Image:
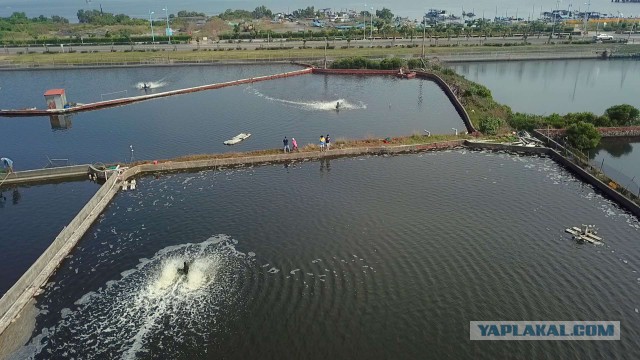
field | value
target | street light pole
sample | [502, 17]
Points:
[371, 33]
[153, 37]
[585, 31]
[166, 14]
[424, 32]
[364, 21]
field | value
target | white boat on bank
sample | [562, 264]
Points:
[236, 139]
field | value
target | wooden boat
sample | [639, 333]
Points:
[236, 139]
[406, 75]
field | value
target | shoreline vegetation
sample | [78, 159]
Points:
[141, 54]
[99, 27]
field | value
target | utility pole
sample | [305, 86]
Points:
[585, 30]
[555, 18]
[153, 37]
[371, 33]
[424, 32]
[325, 52]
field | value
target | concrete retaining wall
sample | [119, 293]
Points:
[504, 147]
[57, 173]
[625, 131]
[606, 189]
[452, 97]
[37, 275]
[623, 201]
[354, 71]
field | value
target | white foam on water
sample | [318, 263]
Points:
[151, 84]
[317, 105]
[151, 304]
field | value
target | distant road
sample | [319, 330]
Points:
[534, 40]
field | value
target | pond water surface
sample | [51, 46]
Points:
[369, 257]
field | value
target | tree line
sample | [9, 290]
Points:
[20, 18]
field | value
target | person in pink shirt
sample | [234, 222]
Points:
[295, 144]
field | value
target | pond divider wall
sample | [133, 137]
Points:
[50, 174]
[37, 275]
[623, 131]
[452, 97]
[354, 71]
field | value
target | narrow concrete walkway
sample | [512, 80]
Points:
[44, 175]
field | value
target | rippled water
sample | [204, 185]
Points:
[371, 257]
[302, 107]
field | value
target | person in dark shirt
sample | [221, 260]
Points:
[286, 144]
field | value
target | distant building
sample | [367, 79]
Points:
[327, 12]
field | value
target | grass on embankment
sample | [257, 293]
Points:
[141, 56]
[475, 98]
[414, 139]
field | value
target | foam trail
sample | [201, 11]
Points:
[313, 105]
[149, 305]
[151, 84]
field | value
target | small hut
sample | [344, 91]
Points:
[55, 98]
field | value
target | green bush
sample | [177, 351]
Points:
[475, 89]
[392, 63]
[414, 63]
[583, 135]
[623, 115]
[529, 122]
[490, 125]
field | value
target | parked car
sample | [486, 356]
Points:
[603, 37]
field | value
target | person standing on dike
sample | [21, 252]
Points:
[7, 164]
[294, 143]
[285, 142]
[327, 141]
[322, 142]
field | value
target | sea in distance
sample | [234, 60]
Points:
[413, 9]
[371, 257]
